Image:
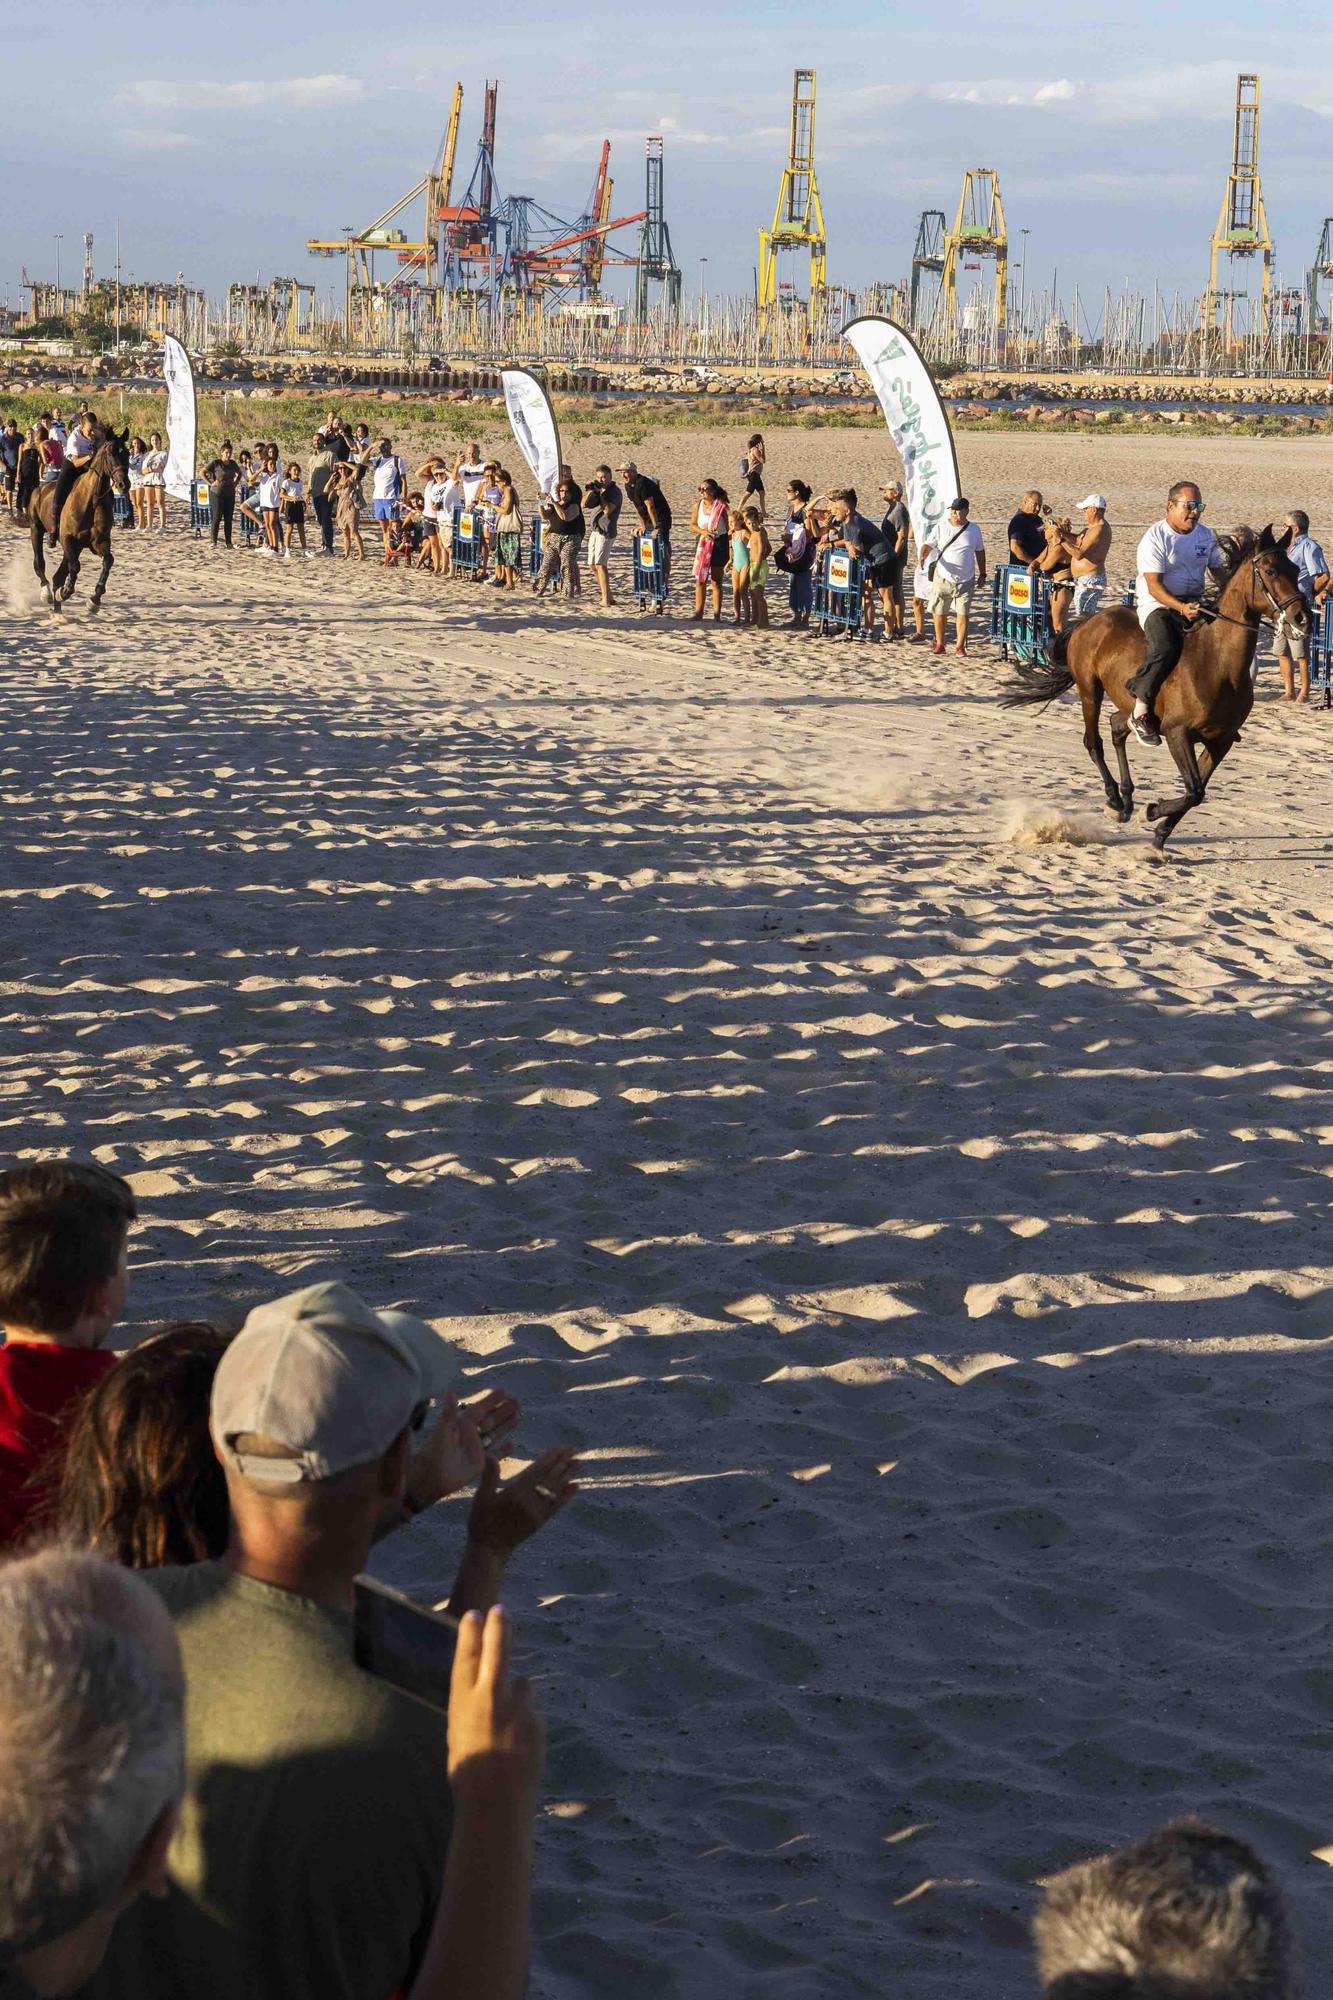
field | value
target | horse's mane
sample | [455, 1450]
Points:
[1237, 545]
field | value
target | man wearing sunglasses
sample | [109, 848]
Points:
[1174, 559]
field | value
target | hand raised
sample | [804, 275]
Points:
[501, 1517]
[496, 1735]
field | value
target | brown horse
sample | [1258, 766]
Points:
[1207, 695]
[85, 520]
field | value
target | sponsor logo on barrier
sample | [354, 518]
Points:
[839, 570]
[1018, 593]
[465, 527]
[201, 492]
[647, 553]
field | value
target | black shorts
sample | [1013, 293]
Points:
[11, 474]
[295, 513]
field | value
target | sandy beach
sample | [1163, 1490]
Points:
[768, 1060]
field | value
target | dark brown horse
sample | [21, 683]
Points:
[85, 520]
[1206, 697]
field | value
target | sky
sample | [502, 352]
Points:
[222, 135]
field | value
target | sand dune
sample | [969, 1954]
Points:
[767, 1061]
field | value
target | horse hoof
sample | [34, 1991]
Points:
[1152, 812]
[92, 610]
[1125, 815]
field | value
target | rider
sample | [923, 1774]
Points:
[1174, 559]
[80, 444]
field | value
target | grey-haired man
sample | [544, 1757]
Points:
[92, 1702]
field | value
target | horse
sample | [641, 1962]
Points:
[85, 520]
[1208, 694]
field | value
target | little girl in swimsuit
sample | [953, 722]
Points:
[740, 567]
[759, 549]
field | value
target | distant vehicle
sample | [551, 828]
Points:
[702, 374]
[654, 368]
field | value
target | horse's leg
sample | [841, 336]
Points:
[1091, 698]
[1119, 740]
[70, 569]
[99, 588]
[1168, 813]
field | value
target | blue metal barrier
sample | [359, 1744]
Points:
[122, 514]
[201, 514]
[650, 579]
[840, 576]
[1321, 653]
[536, 529]
[469, 545]
[1020, 616]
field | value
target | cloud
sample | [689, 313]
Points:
[152, 139]
[290, 93]
[1004, 91]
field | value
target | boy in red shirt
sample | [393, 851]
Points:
[63, 1231]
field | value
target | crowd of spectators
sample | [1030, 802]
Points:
[206, 1785]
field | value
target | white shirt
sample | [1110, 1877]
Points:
[387, 478]
[470, 478]
[293, 489]
[440, 496]
[270, 486]
[1182, 559]
[958, 558]
[78, 446]
[56, 430]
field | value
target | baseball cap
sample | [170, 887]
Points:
[1093, 500]
[628, 466]
[326, 1378]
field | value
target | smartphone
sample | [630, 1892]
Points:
[403, 1643]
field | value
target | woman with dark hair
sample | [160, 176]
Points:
[797, 554]
[142, 1485]
[712, 546]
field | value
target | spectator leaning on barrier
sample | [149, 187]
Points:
[91, 1729]
[954, 558]
[1292, 649]
[1027, 537]
[1188, 1912]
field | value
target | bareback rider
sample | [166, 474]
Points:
[80, 444]
[1174, 559]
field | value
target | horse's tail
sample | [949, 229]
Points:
[1035, 683]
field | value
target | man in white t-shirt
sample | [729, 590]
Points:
[958, 552]
[1173, 562]
[470, 472]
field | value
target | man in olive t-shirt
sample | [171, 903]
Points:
[316, 1815]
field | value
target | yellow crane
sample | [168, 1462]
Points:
[423, 256]
[798, 219]
[978, 232]
[1242, 225]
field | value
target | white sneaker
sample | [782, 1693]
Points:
[310, 555]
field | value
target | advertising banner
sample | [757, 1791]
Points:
[181, 419]
[532, 421]
[916, 417]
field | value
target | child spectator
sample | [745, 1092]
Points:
[293, 510]
[63, 1229]
[270, 500]
[760, 549]
[740, 567]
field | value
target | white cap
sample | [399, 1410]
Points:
[328, 1380]
[1097, 500]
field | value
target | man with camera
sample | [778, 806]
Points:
[954, 556]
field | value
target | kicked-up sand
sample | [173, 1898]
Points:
[768, 1060]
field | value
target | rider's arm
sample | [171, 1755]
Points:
[1157, 589]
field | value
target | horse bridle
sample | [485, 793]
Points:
[1213, 613]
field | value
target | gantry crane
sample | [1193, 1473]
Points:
[1242, 225]
[657, 260]
[595, 220]
[978, 232]
[927, 260]
[1320, 272]
[798, 219]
